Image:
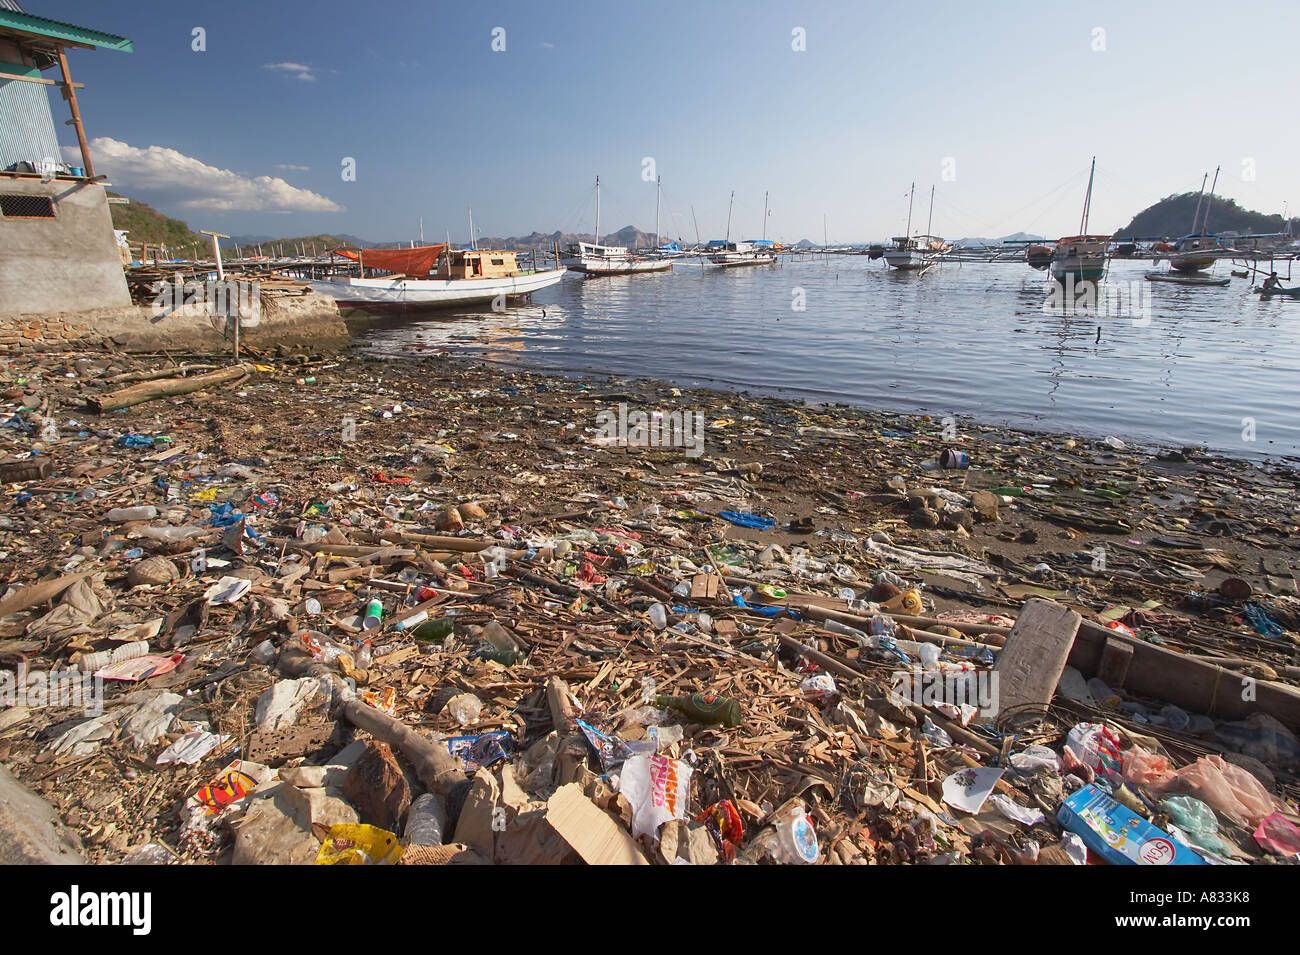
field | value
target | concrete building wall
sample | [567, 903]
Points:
[68, 263]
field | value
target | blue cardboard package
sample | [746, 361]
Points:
[1118, 835]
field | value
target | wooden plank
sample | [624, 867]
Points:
[1030, 664]
[1116, 658]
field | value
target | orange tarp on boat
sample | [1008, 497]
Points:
[417, 261]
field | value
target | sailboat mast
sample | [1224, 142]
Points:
[658, 192]
[598, 210]
[1196, 216]
[729, 207]
[473, 243]
[930, 221]
[421, 230]
[1205, 224]
[910, 194]
[764, 216]
[1087, 201]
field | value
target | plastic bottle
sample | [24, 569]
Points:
[90, 662]
[364, 656]
[705, 708]
[414, 620]
[120, 515]
[505, 647]
[171, 535]
[834, 626]
[374, 615]
[426, 822]
[664, 736]
[658, 616]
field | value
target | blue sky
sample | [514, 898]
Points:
[1010, 101]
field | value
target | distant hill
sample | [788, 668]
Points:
[1172, 216]
[292, 245]
[143, 223]
[629, 236]
[977, 243]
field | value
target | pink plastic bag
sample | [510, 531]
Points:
[1277, 834]
[1146, 769]
[1229, 790]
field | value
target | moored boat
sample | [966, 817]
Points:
[909, 252]
[1082, 257]
[434, 275]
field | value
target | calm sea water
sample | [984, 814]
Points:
[1174, 365]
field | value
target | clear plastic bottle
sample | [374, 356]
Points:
[658, 616]
[120, 515]
[365, 656]
[425, 822]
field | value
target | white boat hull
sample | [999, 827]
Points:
[737, 259]
[598, 266]
[907, 259]
[356, 291]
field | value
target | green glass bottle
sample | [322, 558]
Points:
[439, 629]
[704, 708]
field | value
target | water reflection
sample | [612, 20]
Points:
[1172, 363]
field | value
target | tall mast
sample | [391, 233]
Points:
[733, 202]
[764, 216]
[421, 230]
[1087, 201]
[910, 194]
[473, 243]
[1205, 224]
[930, 221]
[598, 210]
[697, 225]
[658, 190]
[1196, 216]
[825, 242]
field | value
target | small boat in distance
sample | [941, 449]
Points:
[1198, 251]
[754, 252]
[916, 252]
[434, 275]
[1082, 257]
[729, 255]
[591, 258]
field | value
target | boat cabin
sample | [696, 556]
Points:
[477, 264]
[1081, 245]
[1196, 243]
[919, 243]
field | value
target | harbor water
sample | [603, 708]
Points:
[1155, 363]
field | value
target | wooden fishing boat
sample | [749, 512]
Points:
[911, 253]
[1082, 257]
[591, 258]
[1279, 291]
[1178, 278]
[434, 275]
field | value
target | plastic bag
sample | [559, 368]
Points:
[1197, 822]
[1229, 790]
[349, 844]
[1146, 769]
[1094, 745]
[659, 790]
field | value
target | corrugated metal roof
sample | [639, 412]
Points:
[15, 20]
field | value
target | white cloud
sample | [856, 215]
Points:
[549, 46]
[300, 70]
[159, 175]
[289, 165]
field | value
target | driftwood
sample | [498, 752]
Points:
[173, 372]
[434, 765]
[149, 390]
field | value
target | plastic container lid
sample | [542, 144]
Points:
[799, 840]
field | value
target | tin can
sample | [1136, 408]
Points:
[374, 615]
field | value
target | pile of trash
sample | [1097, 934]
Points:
[347, 611]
